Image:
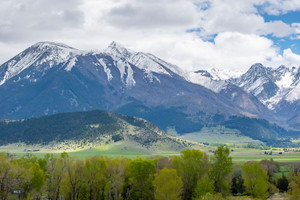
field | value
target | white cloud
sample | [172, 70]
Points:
[277, 7]
[229, 50]
[240, 16]
[291, 58]
[278, 29]
[152, 14]
[157, 26]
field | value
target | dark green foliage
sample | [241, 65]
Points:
[142, 174]
[58, 127]
[282, 183]
[237, 182]
[71, 126]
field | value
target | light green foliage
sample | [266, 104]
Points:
[204, 186]
[24, 174]
[255, 180]
[190, 165]
[117, 170]
[187, 176]
[167, 185]
[209, 196]
[142, 175]
[221, 169]
[6, 175]
[55, 172]
[95, 177]
[73, 180]
[295, 187]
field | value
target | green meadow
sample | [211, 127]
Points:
[239, 155]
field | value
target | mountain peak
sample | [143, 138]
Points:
[48, 45]
[50, 53]
[118, 51]
[257, 66]
[259, 70]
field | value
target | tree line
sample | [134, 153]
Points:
[192, 175]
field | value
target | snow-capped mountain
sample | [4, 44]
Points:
[278, 89]
[211, 79]
[43, 54]
[50, 78]
[269, 85]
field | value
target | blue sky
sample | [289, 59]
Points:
[289, 41]
[227, 34]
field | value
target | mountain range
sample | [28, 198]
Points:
[49, 78]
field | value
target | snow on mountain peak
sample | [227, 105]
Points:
[117, 51]
[38, 54]
[144, 61]
[205, 79]
[224, 74]
[48, 45]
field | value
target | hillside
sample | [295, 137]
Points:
[82, 130]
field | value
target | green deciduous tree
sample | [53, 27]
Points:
[116, 172]
[95, 177]
[270, 167]
[221, 169]
[167, 185]
[142, 175]
[295, 187]
[255, 180]
[6, 175]
[72, 182]
[54, 175]
[204, 186]
[190, 166]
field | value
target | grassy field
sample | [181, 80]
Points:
[257, 155]
[239, 155]
[115, 150]
[220, 135]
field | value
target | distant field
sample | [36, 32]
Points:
[220, 135]
[115, 150]
[257, 155]
[239, 155]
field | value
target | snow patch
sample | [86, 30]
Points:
[71, 64]
[286, 80]
[294, 94]
[209, 83]
[106, 69]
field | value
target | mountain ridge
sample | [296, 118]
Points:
[60, 79]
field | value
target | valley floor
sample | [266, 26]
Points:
[239, 155]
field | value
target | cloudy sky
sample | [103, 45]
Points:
[194, 34]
